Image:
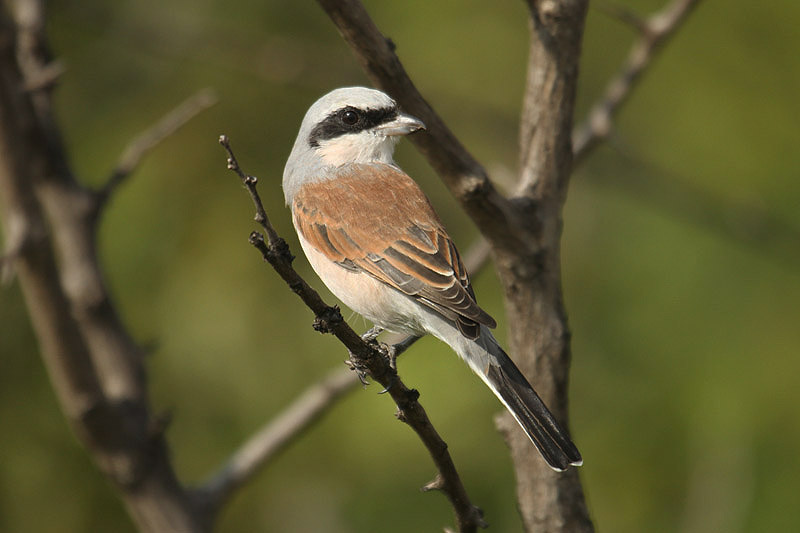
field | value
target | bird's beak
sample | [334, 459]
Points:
[402, 125]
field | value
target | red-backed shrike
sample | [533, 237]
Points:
[374, 239]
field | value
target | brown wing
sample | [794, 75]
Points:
[395, 236]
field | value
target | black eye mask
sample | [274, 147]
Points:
[349, 120]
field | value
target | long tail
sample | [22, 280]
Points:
[499, 372]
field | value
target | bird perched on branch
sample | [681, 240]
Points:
[374, 239]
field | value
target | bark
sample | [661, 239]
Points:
[92, 362]
[531, 277]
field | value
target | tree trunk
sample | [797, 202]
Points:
[539, 335]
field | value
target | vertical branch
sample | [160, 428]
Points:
[525, 232]
[92, 361]
[538, 329]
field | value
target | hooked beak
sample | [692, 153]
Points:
[401, 125]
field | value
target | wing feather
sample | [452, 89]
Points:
[396, 237]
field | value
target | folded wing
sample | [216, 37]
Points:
[395, 236]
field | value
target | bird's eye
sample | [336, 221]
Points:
[350, 117]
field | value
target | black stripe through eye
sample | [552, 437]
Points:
[349, 120]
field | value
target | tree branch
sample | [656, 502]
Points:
[139, 147]
[466, 178]
[90, 359]
[93, 362]
[306, 409]
[524, 232]
[654, 32]
[275, 436]
[366, 357]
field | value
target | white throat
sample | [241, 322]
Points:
[364, 147]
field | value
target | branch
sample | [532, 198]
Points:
[313, 403]
[467, 180]
[366, 357]
[274, 437]
[538, 331]
[277, 434]
[143, 143]
[655, 32]
[91, 361]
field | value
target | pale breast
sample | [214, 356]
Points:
[372, 299]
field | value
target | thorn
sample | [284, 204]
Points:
[256, 239]
[436, 483]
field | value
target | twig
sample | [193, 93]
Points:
[274, 436]
[314, 402]
[365, 357]
[250, 182]
[143, 143]
[654, 31]
[624, 14]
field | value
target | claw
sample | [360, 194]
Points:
[360, 372]
[389, 386]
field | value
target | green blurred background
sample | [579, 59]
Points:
[683, 302]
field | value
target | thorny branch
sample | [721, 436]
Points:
[366, 357]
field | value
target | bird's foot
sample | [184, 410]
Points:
[359, 368]
[391, 356]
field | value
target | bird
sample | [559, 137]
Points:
[374, 239]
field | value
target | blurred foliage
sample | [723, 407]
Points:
[684, 395]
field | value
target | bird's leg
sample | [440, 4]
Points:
[388, 351]
[391, 355]
[356, 365]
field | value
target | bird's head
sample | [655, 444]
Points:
[351, 125]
